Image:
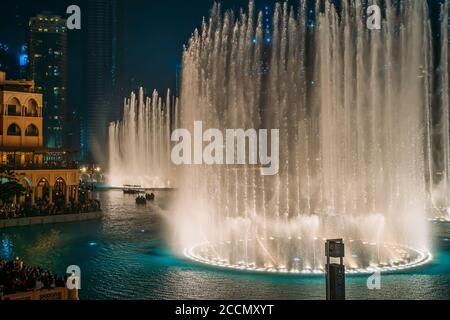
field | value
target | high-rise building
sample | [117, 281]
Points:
[48, 68]
[267, 25]
[23, 62]
[103, 27]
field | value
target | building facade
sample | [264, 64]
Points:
[48, 68]
[47, 174]
[104, 94]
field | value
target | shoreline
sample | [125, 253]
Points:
[62, 218]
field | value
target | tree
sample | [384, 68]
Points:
[10, 185]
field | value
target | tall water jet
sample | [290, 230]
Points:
[353, 108]
[440, 197]
[139, 145]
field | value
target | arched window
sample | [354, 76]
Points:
[14, 107]
[26, 182]
[44, 189]
[14, 130]
[43, 183]
[59, 189]
[32, 131]
[32, 108]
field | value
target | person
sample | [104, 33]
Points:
[15, 277]
[39, 284]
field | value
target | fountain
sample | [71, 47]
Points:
[440, 199]
[139, 145]
[353, 108]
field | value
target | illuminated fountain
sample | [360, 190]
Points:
[354, 111]
[139, 145]
[440, 195]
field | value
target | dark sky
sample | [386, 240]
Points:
[155, 32]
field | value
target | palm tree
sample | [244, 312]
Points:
[10, 186]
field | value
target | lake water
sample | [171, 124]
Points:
[124, 256]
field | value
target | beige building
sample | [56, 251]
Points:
[48, 174]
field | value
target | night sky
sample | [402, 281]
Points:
[155, 32]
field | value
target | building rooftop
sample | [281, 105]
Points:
[48, 23]
[15, 85]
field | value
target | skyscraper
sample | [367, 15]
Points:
[48, 68]
[103, 27]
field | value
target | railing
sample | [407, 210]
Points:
[18, 88]
[46, 166]
[44, 294]
[18, 114]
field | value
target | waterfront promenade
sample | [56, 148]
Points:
[62, 218]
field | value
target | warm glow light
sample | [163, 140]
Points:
[421, 258]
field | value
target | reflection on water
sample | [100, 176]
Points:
[123, 256]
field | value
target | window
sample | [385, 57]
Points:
[11, 110]
[32, 131]
[14, 107]
[14, 130]
[32, 110]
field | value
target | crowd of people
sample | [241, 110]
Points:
[16, 277]
[44, 208]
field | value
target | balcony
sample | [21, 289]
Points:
[43, 166]
[14, 114]
[18, 87]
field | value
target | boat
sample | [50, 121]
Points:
[141, 200]
[132, 189]
[150, 197]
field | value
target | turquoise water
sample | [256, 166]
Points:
[124, 256]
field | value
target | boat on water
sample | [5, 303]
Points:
[141, 200]
[132, 189]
